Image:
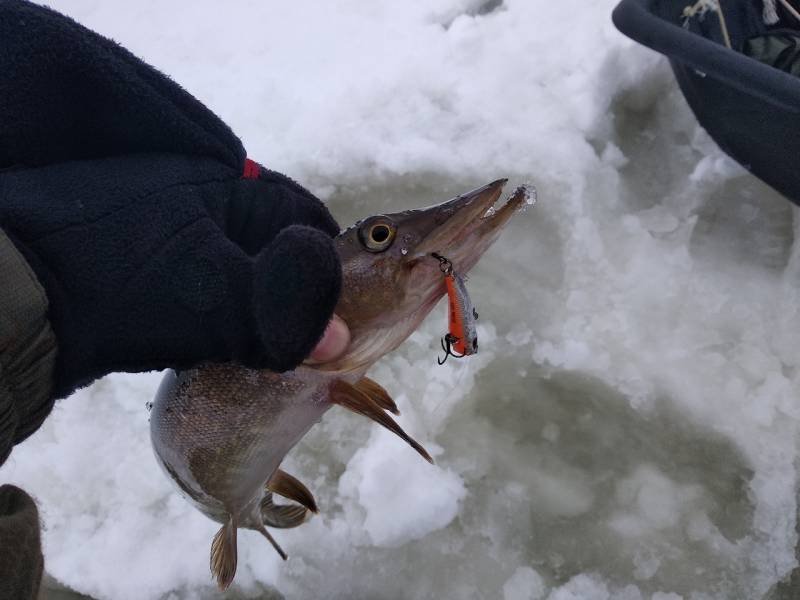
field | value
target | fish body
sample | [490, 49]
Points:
[221, 431]
[223, 470]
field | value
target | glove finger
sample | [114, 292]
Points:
[298, 279]
[256, 210]
[8, 425]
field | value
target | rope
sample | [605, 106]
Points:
[723, 25]
[792, 10]
[701, 7]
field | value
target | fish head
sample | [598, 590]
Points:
[391, 276]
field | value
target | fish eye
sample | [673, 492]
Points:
[377, 235]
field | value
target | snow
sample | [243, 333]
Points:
[386, 500]
[628, 429]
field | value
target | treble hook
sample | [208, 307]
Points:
[445, 266]
[447, 341]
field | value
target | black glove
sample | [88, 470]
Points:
[157, 242]
[158, 261]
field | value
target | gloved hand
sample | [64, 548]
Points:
[158, 244]
[154, 261]
[127, 198]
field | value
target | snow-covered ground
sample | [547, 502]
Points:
[629, 428]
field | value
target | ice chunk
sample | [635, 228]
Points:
[524, 584]
[386, 480]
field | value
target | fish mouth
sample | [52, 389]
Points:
[460, 230]
[464, 227]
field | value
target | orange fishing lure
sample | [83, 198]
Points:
[462, 336]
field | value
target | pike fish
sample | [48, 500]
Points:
[220, 431]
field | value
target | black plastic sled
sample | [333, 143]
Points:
[745, 96]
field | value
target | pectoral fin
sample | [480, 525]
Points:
[282, 516]
[378, 394]
[349, 396]
[223, 554]
[289, 487]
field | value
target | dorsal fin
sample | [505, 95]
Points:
[282, 516]
[349, 396]
[378, 394]
[224, 554]
[290, 487]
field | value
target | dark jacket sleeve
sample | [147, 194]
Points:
[27, 349]
[27, 358]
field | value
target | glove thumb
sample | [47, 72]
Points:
[298, 278]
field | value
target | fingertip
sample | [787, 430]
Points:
[334, 341]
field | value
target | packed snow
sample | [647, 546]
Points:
[628, 429]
